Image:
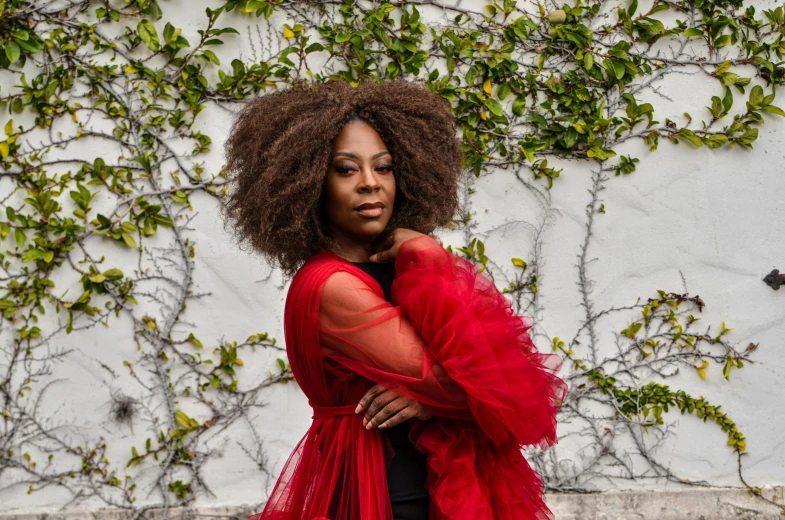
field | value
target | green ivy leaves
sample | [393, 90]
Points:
[17, 40]
[759, 101]
[148, 34]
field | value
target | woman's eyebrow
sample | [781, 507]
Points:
[351, 155]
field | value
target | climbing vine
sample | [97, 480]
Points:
[104, 161]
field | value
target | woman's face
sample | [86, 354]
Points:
[359, 189]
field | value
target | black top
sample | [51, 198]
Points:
[406, 474]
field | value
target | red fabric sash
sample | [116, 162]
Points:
[323, 412]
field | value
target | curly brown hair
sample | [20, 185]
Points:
[279, 152]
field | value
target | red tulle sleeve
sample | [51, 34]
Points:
[363, 332]
[472, 331]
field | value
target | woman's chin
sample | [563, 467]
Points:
[371, 230]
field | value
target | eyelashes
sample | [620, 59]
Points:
[343, 170]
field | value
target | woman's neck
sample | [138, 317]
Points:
[352, 249]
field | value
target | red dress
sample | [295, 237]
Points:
[453, 344]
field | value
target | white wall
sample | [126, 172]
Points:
[710, 223]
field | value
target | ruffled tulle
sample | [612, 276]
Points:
[452, 342]
[513, 392]
[472, 331]
[470, 478]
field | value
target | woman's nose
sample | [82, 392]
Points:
[368, 180]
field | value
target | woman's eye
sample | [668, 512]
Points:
[347, 169]
[343, 169]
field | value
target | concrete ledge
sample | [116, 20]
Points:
[697, 504]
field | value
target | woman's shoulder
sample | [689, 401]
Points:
[316, 271]
[316, 267]
[329, 276]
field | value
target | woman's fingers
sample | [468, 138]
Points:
[385, 407]
[380, 256]
[388, 411]
[386, 255]
[385, 248]
[369, 396]
[404, 414]
[379, 402]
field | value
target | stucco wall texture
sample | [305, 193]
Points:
[707, 222]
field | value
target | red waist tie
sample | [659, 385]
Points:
[323, 412]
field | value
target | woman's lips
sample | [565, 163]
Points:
[370, 212]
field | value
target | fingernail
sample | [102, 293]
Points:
[372, 258]
[382, 426]
[369, 426]
[357, 410]
[365, 421]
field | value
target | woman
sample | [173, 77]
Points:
[423, 382]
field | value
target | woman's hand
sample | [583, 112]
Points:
[385, 409]
[388, 250]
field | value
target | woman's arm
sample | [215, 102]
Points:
[368, 335]
[452, 342]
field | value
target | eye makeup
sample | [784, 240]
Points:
[343, 169]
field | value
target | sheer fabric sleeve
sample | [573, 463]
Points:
[368, 335]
